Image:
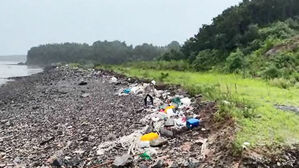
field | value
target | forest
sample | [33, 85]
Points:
[256, 38]
[100, 52]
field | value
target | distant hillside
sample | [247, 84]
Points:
[13, 58]
[257, 38]
[100, 52]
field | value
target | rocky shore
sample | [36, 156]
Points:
[67, 117]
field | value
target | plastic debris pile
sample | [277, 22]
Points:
[165, 116]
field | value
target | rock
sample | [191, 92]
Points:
[80, 151]
[157, 164]
[158, 142]
[47, 141]
[81, 83]
[193, 163]
[85, 95]
[169, 122]
[186, 163]
[110, 137]
[55, 161]
[2, 165]
[8, 124]
[121, 161]
[84, 138]
[174, 165]
[166, 132]
[113, 80]
[288, 108]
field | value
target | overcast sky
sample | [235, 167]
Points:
[27, 23]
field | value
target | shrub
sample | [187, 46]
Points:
[281, 83]
[206, 59]
[163, 76]
[235, 61]
[271, 72]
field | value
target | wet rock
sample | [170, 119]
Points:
[158, 142]
[124, 160]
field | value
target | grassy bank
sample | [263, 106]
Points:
[250, 101]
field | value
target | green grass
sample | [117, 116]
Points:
[252, 102]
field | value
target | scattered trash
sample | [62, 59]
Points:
[186, 101]
[167, 109]
[144, 144]
[245, 145]
[177, 101]
[127, 91]
[145, 156]
[150, 101]
[169, 122]
[158, 142]
[113, 80]
[191, 123]
[226, 102]
[124, 160]
[149, 137]
[181, 121]
[153, 82]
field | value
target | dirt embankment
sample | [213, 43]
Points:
[75, 118]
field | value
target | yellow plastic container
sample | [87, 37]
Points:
[149, 137]
[169, 107]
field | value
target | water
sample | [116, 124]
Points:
[9, 68]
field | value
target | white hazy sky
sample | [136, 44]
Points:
[27, 23]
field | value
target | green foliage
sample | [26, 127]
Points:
[236, 61]
[206, 59]
[161, 65]
[163, 76]
[172, 55]
[281, 83]
[249, 101]
[237, 25]
[100, 52]
[271, 72]
[279, 30]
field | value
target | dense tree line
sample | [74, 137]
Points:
[236, 26]
[240, 40]
[100, 52]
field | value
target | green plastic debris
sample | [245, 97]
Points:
[145, 156]
[177, 101]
